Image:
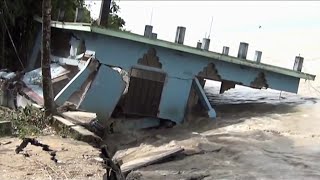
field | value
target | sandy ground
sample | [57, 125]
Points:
[76, 160]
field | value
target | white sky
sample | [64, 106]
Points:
[288, 28]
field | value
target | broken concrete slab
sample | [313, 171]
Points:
[75, 83]
[81, 133]
[76, 131]
[85, 119]
[63, 121]
[150, 158]
[79, 117]
[5, 128]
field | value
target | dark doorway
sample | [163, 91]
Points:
[144, 92]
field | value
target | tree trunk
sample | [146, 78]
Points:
[45, 58]
[3, 54]
[104, 13]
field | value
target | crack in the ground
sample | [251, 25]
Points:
[35, 142]
[113, 171]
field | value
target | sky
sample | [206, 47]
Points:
[287, 28]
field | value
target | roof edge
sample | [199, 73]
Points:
[87, 27]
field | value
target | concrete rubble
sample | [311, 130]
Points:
[77, 84]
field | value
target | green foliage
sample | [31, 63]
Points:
[69, 9]
[62, 130]
[18, 16]
[114, 21]
[28, 121]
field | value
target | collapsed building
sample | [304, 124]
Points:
[146, 80]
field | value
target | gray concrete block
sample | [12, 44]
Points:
[76, 131]
[82, 134]
[63, 121]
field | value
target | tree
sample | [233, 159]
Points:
[45, 58]
[104, 13]
[114, 20]
[18, 16]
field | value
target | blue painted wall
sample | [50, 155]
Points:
[125, 53]
[104, 93]
[180, 67]
[174, 99]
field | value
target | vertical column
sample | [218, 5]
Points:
[199, 45]
[298, 63]
[243, 50]
[154, 36]
[148, 31]
[180, 35]
[257, 56]
[205, 44]
[225, 50]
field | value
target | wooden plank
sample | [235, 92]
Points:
[63, 121]
[60, 78]
[150, 159]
